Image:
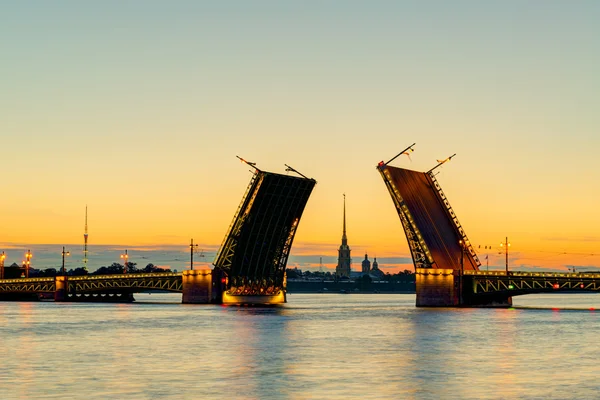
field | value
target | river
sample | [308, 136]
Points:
[317, 346]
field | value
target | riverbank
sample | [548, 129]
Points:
[349, 287]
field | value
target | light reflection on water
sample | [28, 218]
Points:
[330, 346]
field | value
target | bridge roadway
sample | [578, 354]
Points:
[517, 283]
[498, 287]
[106, 287]
[475, 287]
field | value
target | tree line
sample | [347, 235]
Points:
[15, 271]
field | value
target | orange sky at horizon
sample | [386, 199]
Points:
[138, 112]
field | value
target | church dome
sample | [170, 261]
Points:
[366, 265]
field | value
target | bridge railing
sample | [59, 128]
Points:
[28, 280]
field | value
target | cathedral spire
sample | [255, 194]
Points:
[344, 238]
[343, 268]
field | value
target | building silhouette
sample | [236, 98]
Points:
[344, 261]
[375, 272]
[366, 265]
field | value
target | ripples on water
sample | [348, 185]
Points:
[317, 346]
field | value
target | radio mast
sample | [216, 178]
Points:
[85, 240]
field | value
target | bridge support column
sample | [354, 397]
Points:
[60, 291]
[197, 286]
[437, 287]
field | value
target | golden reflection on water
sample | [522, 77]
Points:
[25, 351]
[503, 352]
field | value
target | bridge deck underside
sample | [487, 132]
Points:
[432, 219]
[256, 248]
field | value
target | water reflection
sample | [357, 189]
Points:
[330, 346]
[25, 351]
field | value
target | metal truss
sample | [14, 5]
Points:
[287, 246]
[256, 248]
[517, 283]
[454, 218]
[171, 282]
[29, 285]
[420, 252]
[224, 257]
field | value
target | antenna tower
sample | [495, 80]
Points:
[85, 240]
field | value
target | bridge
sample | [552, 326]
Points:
[249, 267]
[447, 268]
[255, 250]
[118, 287]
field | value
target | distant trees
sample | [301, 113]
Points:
[295, 273]
[78, 271]
[116, 268]
[150, 268]
[47, 272]
[15, 271]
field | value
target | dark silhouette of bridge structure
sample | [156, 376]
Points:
[446, 265]
[249, 267]
[255, 250]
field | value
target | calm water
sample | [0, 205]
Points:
[321, 346]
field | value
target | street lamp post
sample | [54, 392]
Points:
[27, 262]
[506, 245]
[193, 247]
[125, 257]
[64, 253]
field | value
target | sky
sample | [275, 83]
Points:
[137, 109]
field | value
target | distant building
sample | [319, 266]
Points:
[376, 273]
[344, 261]
[366, 265]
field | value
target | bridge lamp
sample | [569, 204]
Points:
[64, 253]
[506, 245]
[511, 286]
[125, 257]
[27, 262]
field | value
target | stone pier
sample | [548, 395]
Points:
[437, 287]
[60, 292]
[197, 286]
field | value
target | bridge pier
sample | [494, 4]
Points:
[437, 287]
[60, 291]
[197, 286]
